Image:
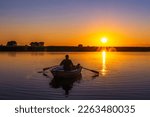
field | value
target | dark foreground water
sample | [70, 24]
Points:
[122, 76]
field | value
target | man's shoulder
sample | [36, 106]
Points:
[63, 60]
[70, 61]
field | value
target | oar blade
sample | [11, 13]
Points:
[40, 72]
[46, 68]
[95, 71]
[91, 70]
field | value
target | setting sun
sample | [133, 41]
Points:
[104, 40]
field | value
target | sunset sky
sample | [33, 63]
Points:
[71, 22]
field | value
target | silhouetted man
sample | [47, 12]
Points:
[67, 63]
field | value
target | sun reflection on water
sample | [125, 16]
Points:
[103, 70]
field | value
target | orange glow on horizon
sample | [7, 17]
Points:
[77, 35]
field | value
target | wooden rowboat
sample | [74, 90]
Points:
[60, 72]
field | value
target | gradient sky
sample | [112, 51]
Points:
[70, 22]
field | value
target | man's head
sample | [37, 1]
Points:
[67, 56]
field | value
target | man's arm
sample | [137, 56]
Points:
[71, 62]
[62, 62]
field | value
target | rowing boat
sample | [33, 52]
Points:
[60, 72]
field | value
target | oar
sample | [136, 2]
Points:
[47, 68]
[91, 70]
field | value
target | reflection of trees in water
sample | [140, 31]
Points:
[12, 54]
[65, 83]
[37, 53]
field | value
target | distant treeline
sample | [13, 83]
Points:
[39, 46]
[33, 44]
[73, 48]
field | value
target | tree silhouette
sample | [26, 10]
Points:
[11, 44]
[37, 44]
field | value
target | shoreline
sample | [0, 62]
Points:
[72, 49]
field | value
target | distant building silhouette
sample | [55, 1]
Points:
[11, 44]
[41, 43]
[80, 45]
[37, 44]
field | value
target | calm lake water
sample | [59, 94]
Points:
[123, 75]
